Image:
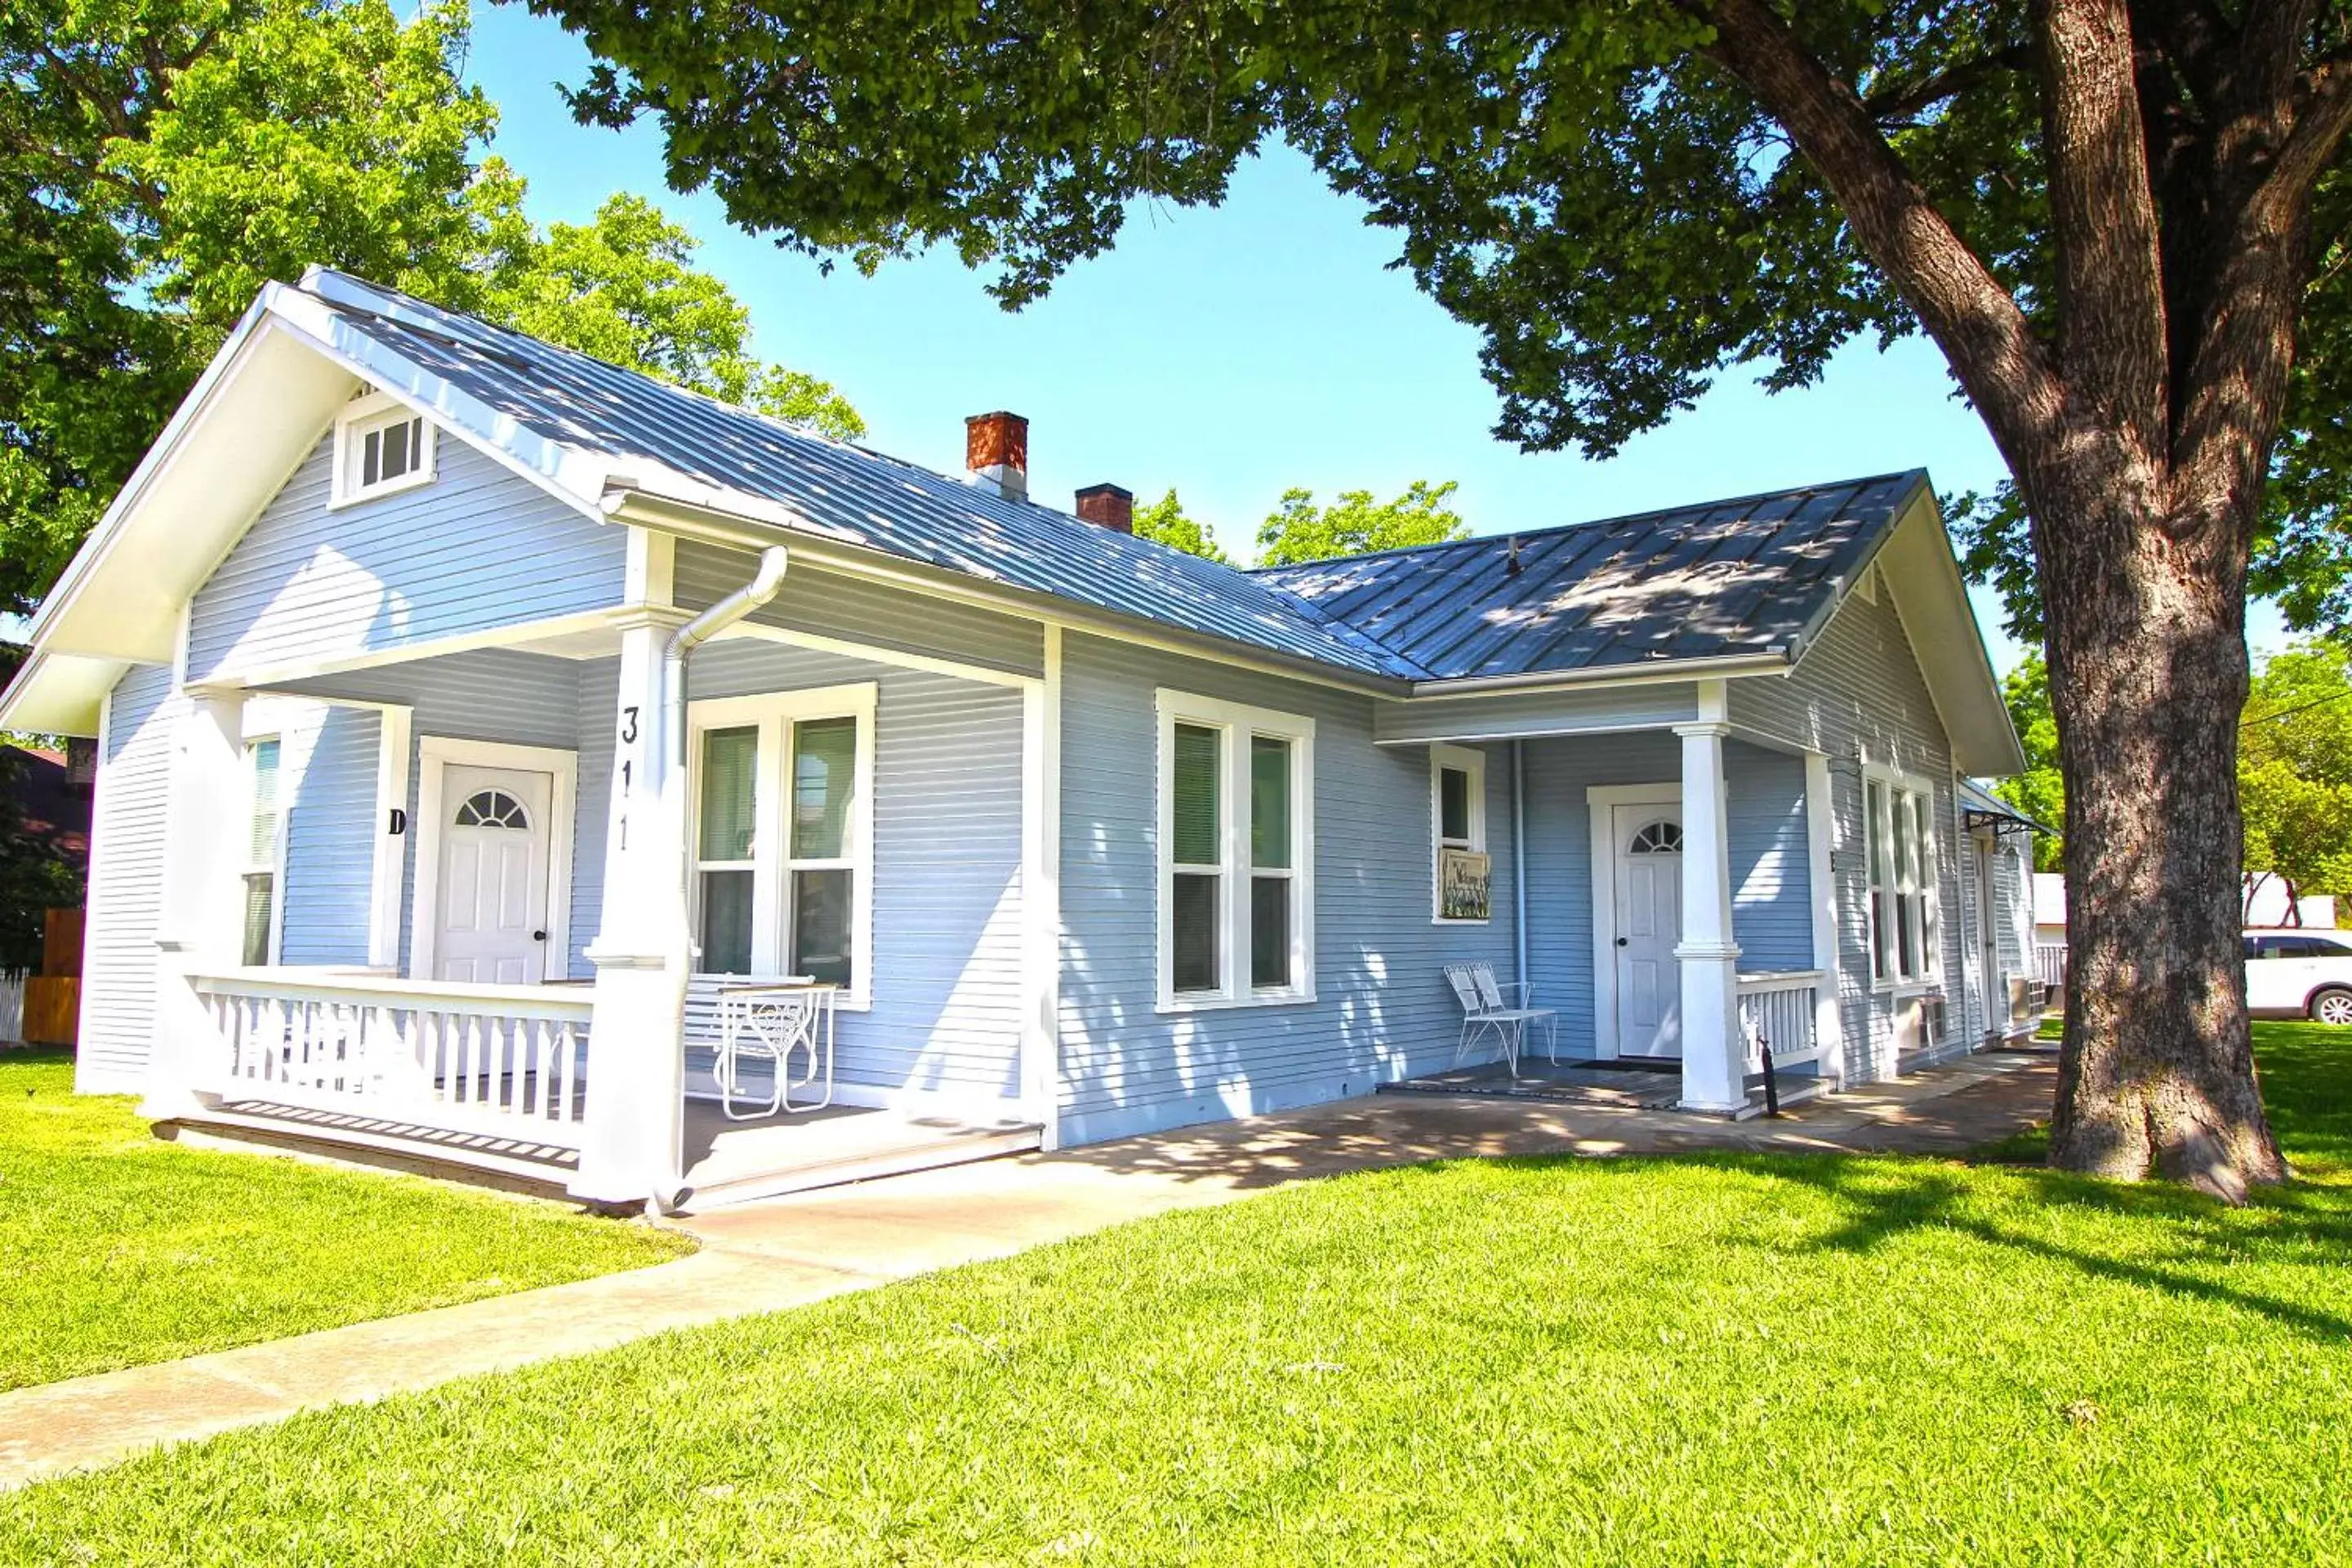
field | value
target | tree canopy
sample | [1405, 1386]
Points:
[1298, 530]
[160, 160]
[1165, 522]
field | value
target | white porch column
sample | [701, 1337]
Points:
[632, 1136]
[200, 926]
[1041, 894]
[1713, 1058]
[1820, 845]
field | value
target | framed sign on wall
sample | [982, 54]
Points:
[1465, 882]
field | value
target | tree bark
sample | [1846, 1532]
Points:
[2148, 674]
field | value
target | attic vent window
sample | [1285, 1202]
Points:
[381, 448]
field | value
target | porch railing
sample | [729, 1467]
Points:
[2050, 966]
[501, 1061]
[1777, 1008]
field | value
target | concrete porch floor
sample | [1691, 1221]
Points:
[766, 1255]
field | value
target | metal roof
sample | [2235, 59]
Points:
[1748, 575]
[849, 493]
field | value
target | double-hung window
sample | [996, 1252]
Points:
[1899, 818]
[783, 836]
[382, 446]
[1236, 854]
[265, 842]
[1457, 822]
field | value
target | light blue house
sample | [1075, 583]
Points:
[475, 716]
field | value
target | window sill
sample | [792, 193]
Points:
[417, 481]
[1207, 1002]
[1456, 920]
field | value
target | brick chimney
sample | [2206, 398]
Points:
[996, 453]
[1108, 506]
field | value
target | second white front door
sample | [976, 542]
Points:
[493, 876]
[1648, 877]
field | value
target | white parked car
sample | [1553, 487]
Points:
[2300, 974]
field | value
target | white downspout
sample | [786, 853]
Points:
[1520, 868]
[669, 780]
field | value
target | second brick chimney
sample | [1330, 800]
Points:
[996, 453]
[1108, 506]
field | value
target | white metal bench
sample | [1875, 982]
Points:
[789, 1024]
[1483, 1008]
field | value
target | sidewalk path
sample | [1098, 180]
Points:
[790, 1251]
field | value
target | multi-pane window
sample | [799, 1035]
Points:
[1458, 788]
[264, 836]
[1236, 853]
[380, 446]
[783, 835]
[1899, 820]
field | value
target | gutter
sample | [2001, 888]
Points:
[669, 772]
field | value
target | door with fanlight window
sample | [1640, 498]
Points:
[1648, 875]
[493, 876]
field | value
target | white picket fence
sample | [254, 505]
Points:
[1778, 1008]
[12, 1010]
[503, 1061]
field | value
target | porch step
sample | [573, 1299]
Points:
[534, 1171]
[907, 1148]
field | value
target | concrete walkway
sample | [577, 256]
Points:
[791, 1251]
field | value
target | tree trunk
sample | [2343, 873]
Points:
[2144, 610]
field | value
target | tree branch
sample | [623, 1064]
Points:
[2005, 371]
[1901, 100]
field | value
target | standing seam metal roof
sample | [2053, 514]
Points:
[1747, 575]
[850, 494]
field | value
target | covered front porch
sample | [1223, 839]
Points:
[426, 910]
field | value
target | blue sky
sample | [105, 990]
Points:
[1230, 353]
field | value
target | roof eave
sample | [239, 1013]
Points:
[1770, 661]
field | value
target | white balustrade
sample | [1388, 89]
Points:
[2049, 965]
[498, 1060]
[1777, 1008]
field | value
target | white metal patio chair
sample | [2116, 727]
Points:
[1483, 1008]
[788, 1025]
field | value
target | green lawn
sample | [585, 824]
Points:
[1724, 1360]
[117, 1249]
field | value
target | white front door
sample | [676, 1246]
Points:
[1648, 877]
[493, 882]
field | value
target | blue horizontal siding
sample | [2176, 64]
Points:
[476, 548]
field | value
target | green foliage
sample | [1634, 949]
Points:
[2294, 769]
[160, 161]
[2040, 791]
[1298, 529]
[120, 1248]
[1727, 1359]
[1165, 522]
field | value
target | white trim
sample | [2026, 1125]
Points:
[437, 752]
[1896, 782]
[875, 653]
[1459, 758]
[615, 619]
[649, 574]
[1820, 881]
[364, 416]
[773, 713]
[1041, 893]
[280, 831]
[1237, 722]
[392, 764]
[1600, 802]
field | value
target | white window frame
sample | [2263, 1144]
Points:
[1898, 791]
[275, 870]
[1238, 722]
[1461, 758]
[378, 411]
[773, 713]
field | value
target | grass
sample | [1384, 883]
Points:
[1729, 1359]
[117, 1249]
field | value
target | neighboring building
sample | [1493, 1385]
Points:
[1093, 836]
[2264, 901]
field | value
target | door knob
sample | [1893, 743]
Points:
[539, 936]
[1623, 941]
